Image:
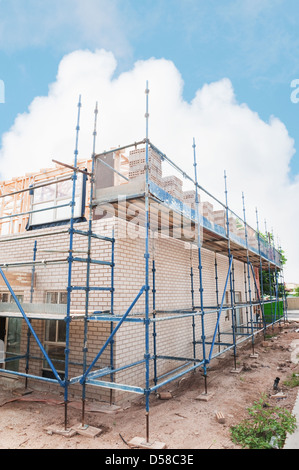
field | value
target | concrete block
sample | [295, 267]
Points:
[142, 444]
[165, 395]
[86, 430]
[237, 371]
[279, 395]
[54, 429]
[204, 396]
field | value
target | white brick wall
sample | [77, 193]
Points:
[173, 260]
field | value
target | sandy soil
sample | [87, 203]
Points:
[181, 422]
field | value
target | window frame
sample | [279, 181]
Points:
[59, 344]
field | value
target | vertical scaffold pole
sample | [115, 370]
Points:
[31, 300]
[248, 275]
[276, 284]
[147, 256]
[70, 263]
[192, 302]
[230, 257]
[200, 269]
[284, 296]
[87, 286]
[269, 272]
[112, 311]
[154, 315]
[246, 298]
[261, 272]
[217, 296]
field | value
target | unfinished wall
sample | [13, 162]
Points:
[173, 259]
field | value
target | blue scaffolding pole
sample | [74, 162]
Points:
[70, 265]
[147, 256]
[31, 300]
[248, 275]
[230, 258]
[205, 362]
[193, 306]
[269, 272]
[261, 273]
[87, 290]
[276, 285]
[154, 316]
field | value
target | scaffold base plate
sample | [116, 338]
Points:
[142, 444]
[86, 430]
[61, 431]
[237, 371]
[204, 396]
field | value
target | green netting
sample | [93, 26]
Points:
[277, 311]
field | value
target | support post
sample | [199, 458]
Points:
[154, 316]
[192, 300]
[31, 300]
[217, 295]
[261, 273]
[147, 256]
[269, 273]
[87, 290]
[112, 313]
[70, 263]
[200, 269]
[230, 258]
[248, 275]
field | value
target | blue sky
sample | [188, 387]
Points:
[242, 53]
[254, 43]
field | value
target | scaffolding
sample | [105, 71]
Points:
[219, 239]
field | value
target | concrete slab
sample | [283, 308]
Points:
[61, 431]
[237, 371]
[204, 396]
[86, 430]
[279, 395]
[142, 444]
[8, 383]
[102, 408]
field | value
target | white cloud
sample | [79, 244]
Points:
[229, 135]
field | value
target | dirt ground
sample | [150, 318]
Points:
[181, 422]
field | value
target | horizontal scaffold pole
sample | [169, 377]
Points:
[30, 376]
[94, 235]
[106, 371]
[16, 238]
[115, 386]
[115, 150]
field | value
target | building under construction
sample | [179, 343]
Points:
[121, 273]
